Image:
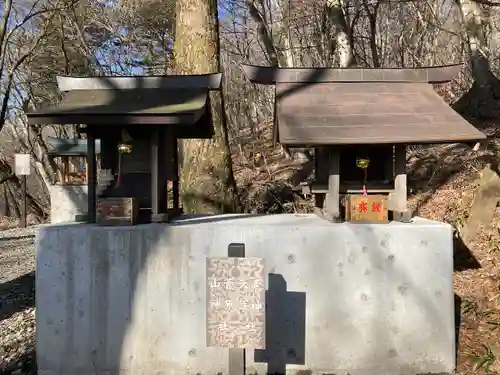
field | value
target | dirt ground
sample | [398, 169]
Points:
[476, 279]
[17, 301]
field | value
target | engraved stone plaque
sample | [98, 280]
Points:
[236, 303]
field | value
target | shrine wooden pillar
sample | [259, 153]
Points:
[328, 167]
[91, 178]
[399, 199]
[109, 152]
[318, 172]
[159, 206]
[332, 200]
[175, 175]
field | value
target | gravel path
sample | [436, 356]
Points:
[17, 302]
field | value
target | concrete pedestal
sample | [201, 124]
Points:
[344, 298]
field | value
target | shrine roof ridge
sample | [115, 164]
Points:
[270, 75]
[207, 81]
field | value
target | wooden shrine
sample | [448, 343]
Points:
[70, 155]
[138, 122]
[359, 122]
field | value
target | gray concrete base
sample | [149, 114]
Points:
[342, 298]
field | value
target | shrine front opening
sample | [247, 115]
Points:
[68, 194]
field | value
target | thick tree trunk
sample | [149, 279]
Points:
[481, 100]
[280, 30]
[207, 175]
[341, 46]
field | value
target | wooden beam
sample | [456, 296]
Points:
[155, 171]
[175, 178]
[22, 221]
[318, 172]
[270, 75]
[92, 179]
[86, 170]
[211, 81]
[347, 188]
[237, 356]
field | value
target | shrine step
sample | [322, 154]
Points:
[349, 188]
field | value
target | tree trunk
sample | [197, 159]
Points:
[280, 30]
[4, 202]
[12, 202]
[207, 175]
[481, 100]
[340, 34]
[11, 186]
[33, 205]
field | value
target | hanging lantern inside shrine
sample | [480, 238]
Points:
[363, 163]
[125, 146]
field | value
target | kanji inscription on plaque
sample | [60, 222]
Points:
[236, 303]
[367, 208]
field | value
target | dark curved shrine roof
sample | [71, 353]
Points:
[110, 101]
[363, 106]
[144, 106]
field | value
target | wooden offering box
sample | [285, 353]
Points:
[117, 211]
[366, 208]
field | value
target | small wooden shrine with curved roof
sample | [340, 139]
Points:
[138, 121]
[349, 115]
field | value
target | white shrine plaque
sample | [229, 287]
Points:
[236, 303]
[22, 164]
